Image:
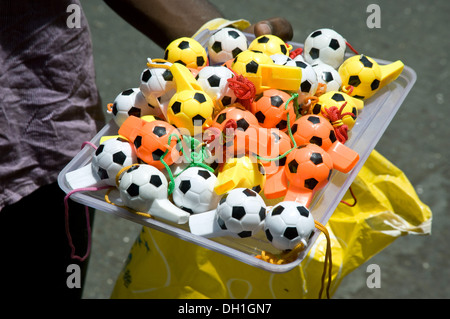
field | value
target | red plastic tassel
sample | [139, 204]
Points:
[295, 53]
[335, 116]
[243, 88]
[230, 124]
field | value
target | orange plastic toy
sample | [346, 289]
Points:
[270, 109]
[308, 169]
[246, 135]
[276, 184]
[318, 130]
[303, 172]
[243, 118]
[280, 144]
[151, 140]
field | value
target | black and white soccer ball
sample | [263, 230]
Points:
[299, 58]
[288, 224]
[110, 157]
[156, 82]
[130, 102]
[241, 211]
[326, 74]
[213, 80]
[325, 46]
[194, 190]
[280, 59]
[309, 82]
[225, 44]
[140, 185]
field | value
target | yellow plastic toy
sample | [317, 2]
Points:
[240, 172]
[264, 74]
[190, 108]
[340, 109]
[109, 137]
[362, 76]
[186, 51]
[338, 99]
[148, 118]
[270, 45]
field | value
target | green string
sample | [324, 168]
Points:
[293, 96]
[196, 159]
[171, 185]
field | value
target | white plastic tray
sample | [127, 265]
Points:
[371, 123]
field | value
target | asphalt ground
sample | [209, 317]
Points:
[416, 140]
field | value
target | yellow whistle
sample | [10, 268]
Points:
[274, 76]
[264, 74]
[338, 99]
[110, 137]
[240, 172]
[190, 108]
[183, 78]
[390, 72]
[362, 76]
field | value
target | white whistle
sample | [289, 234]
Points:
[110, 157]
[206, 225]
[240, 213]
[144, 188]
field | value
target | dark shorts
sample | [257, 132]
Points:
[35, 253]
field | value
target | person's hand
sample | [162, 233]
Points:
[277, 26]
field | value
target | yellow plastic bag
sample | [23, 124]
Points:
[162, 266]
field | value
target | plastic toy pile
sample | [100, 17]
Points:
[213, 134]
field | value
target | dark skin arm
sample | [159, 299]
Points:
[166, 20]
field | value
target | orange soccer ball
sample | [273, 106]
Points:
[270, 109]
[152, 140]
[280, 143]
[308, 167]
[241, 130]
[313, 129]
[243, 118]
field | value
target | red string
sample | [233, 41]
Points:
[66, 213]
[295, 53]
[69, 237]
[351, 48]
[230, 124]
[90, 144]
[349, 89]
[243, 88]
[354, 198]
[211, 134]
[335, 116]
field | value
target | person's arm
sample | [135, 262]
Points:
[166, 20]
